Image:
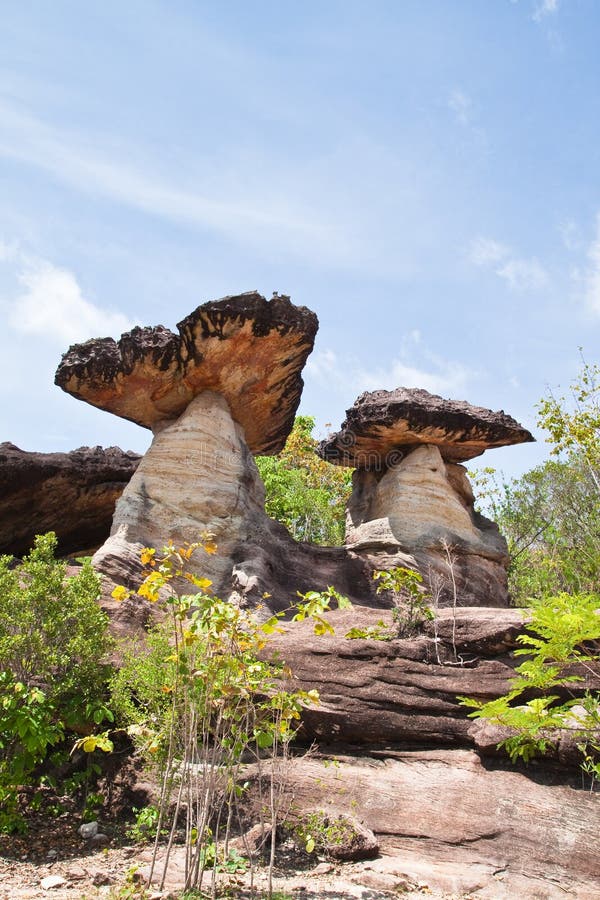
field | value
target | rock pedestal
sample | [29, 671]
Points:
[411, 495]
[198, 476]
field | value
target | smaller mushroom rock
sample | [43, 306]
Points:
[411, 495]
[249, 350]
[383, 426]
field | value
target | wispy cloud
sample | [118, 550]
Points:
[522, 275]
[570, 234]
[438, 375]
[544, 8]
[461, 105]
[110, 173]
[49, 303]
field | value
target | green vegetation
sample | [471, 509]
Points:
[303, 492]
[53, 647]
[410, 605]
[202, 699]
[551, 517]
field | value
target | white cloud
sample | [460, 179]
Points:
[570, 234]
[544, 8]
[592, 276]
[110, 173]
[52, 306]
[522, 275]
[484, 251]
[439, 375]
[444, 377]
[461, 105]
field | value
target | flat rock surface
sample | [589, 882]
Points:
[244, 347]
[73, 494]
[382, 426]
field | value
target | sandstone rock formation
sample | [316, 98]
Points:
[410, 495]
[227, 388]
[396, 422]
[445, 819]
[73, 494]
[247, 349]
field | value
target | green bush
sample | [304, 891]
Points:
[53, 671]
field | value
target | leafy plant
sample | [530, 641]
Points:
[217, 701]
[411, 603]
[144, 827]
[318, 831]
[53, 646]
[303, 492]
[562, 641]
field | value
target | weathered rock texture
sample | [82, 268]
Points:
[384, 425]
[444, 819]
[405, 692]
[411, 496]
[248, 349]
[424, 507]
[73, 494]
[199, 476]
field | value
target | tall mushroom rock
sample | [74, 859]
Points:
[412, 495]
[224, 388]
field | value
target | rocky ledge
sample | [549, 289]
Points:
[383, 426]
[73, 494]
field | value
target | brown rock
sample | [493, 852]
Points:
[400, 693]
[73, 494]
[383, 426]
[248, 349]
[199, 475]
[443, 818]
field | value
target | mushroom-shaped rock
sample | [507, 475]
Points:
[382, 426]
[249, 350]
[226, 387]
[411, 496]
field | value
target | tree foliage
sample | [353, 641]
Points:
[551, 517]
[303, 492]
[53, 672]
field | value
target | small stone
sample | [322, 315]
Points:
[99, 840]
[100, 878]
[52, 854]
[52, 881]
[88, 830]
[323, 869]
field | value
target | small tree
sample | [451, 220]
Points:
[303, 492]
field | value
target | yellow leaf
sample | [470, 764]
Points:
[120, 593]
[210, 547]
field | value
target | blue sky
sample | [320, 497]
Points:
[423, 174]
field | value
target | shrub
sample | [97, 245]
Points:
[53, 645]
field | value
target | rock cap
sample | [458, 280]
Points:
[244, 347]
[383, 426]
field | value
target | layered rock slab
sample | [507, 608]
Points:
[445, 819]
[248, 349]
[73, 494]
[384, 425]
